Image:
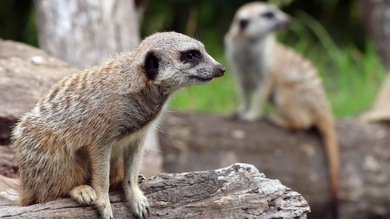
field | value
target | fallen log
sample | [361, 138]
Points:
[192, 142]
[26, 73]
[238, 191]
[8, 164]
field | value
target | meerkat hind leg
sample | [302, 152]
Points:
[278, 121]
[296, 123]
[83, 194]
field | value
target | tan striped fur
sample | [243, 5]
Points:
[86, 134]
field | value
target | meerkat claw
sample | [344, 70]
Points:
[83, 194]
[141, 179]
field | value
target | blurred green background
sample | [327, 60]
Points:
[328, 32]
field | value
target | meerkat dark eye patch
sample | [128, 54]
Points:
[244, 23]
[151, 65]
[268, 15]
[191, 56]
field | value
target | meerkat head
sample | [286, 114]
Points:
[176, 60]
[257, 19]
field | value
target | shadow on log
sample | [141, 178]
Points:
[192, 142]
[238, 191]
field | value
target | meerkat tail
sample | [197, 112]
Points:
[327, 129]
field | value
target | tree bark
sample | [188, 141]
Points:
[192, 142]
[26, 73]
[377, 23]
[238, 191]
[84, 33]
[8, 164]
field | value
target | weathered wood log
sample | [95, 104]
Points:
[8, 164]
[9, 191]
[25, 74]
[238, 191]
[192, 142]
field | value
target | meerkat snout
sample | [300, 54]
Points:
[219, 70]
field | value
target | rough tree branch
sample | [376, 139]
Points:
[238, 191]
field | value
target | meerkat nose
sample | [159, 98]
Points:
[287, 21]
[219, 70]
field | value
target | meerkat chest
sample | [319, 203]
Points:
[139, 112]
[133, 138]
[249, 61]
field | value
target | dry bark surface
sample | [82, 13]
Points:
[192, 142]
[25, 74]
[8, 164]
[97, 29]
[238, 191]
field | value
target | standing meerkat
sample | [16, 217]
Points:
[86, 134]
[274, 72]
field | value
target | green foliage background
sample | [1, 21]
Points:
[328, 32]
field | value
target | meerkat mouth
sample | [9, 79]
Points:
[201, 79]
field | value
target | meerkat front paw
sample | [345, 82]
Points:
[83, 194]
[141, 208]
[248, 117]
[104, 207]
[244, 116]
[139, 204]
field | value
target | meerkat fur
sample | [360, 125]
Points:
[275, 72]
[86, 134]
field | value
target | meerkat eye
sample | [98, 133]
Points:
[268, 15]
[191, 56]
[244, 23]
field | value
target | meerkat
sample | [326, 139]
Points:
[275, 72]
[381, 108]
[85, 136]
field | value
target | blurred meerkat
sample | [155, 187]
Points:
[274, 72]
[381, 108]
[86, 134]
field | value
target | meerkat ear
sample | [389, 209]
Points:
[151, 65]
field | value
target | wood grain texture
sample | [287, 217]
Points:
[84, 33]
[192, 142]
[238, 191]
